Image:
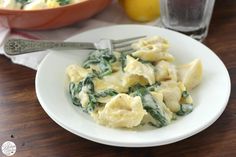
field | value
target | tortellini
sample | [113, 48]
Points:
[152, 49]
[190, 74]
[158, 96]
[76, 73]
[52, 3]
[165, 71]
[111, 81]
[171, 95]
[121, 111]
[10, 4]
[36, 4]
[136, 89]
[134, 67]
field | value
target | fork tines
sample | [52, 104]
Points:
[124, 45]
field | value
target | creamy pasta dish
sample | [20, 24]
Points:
[34, 4]
[126, 90]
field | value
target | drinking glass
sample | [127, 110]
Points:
[191, 17]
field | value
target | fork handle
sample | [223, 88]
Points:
[22, 46]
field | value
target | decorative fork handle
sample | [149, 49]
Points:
[22, 46]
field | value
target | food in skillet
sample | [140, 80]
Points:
[34, 4]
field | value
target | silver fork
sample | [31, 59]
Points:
[22, 46]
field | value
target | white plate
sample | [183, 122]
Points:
[210, 97]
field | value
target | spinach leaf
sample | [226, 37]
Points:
[123, 60]
[105, 68]
[104, 53]
[87, 63]
[63, 2]
[88, 82]
[23, 2]
[102, 58]
[92, 102]
[74, 89]
[185, 94]
[185, 109]
[150, 104]
[153, 87]
[105, 93]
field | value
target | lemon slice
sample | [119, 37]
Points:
[190, 74]
[141, 10]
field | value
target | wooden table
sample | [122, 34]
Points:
[23, 121]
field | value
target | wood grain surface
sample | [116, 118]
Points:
[23, 121]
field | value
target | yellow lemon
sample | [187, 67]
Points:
[141, 10]
[190, 74]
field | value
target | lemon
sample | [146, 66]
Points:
[190, 74]
[141, 10]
